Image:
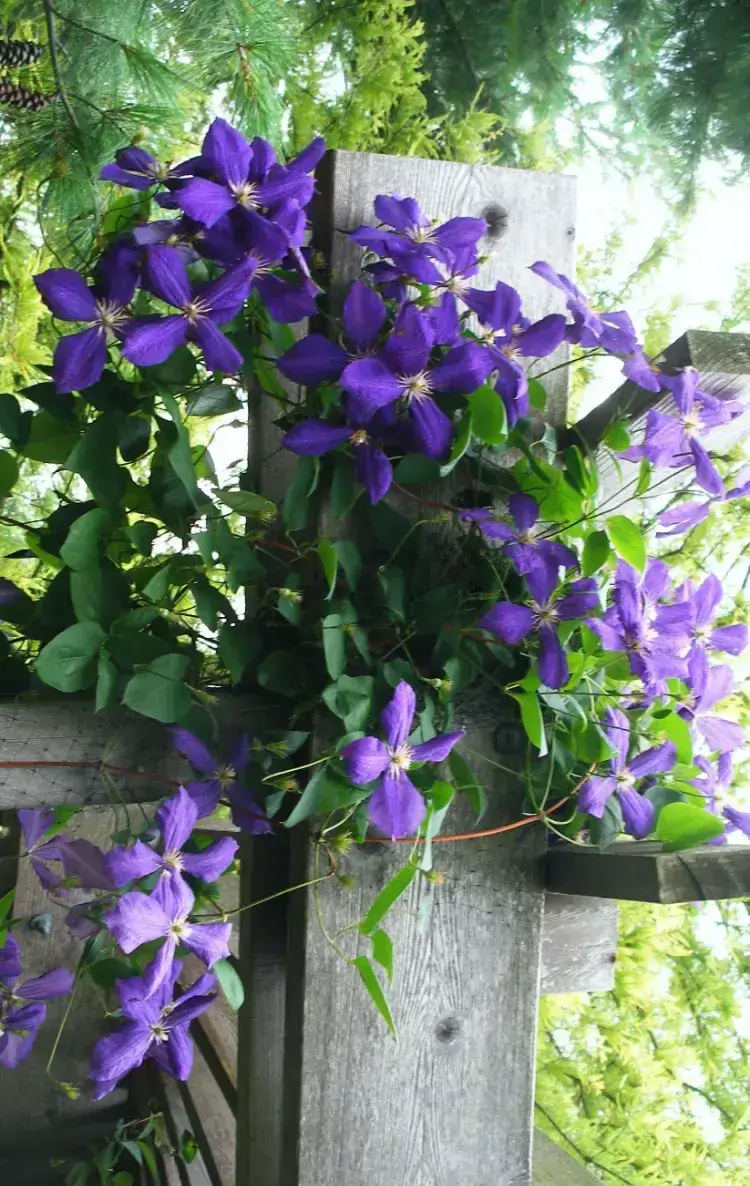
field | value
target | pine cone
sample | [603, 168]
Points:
[20, 53]
[12, 95]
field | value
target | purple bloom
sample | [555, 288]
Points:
[221, 777]
[85, 865]
[524, 545]
[315, 359]
[137, 918]
[614, 332]
[709, 686]
[80, 358]
[402, 371]
[637, 812]
[639, 369]
[246, 179]
[714, 784]
[704, 602]
[176, 819]
[406, 231]
[511, 623]
[22, 1008]
[372, 467]
[151, 340]
[35, 823]
[396, 807]
[690, 514]
[155, 1026]
[138, 169]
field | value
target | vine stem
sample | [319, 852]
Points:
[521, 823]
[425, 502]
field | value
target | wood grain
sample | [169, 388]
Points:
[579, 944]
[554, 1167]
[643, 872]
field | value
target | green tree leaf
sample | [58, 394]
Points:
[106, 682]
[416, 470]
[350, 698]
[324, 793]
[461, 442]
[180, 455]
[329, 561]
[683, 825]
[81, 548]
[239, 646]
[135, 438]
[537, 395]
[157, 691]
[297, 497]
[627, 540]
[595, 552]
[467, 782]
[68, 662]
[617, 436]
[350, 559]
[95, 459]
[489, 418]
[212, 399]
[231, 983]
[247, 503]
[8, 473]
[532, 719]
[334, 645]
[372, 984]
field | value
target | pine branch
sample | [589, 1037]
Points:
[49, 15]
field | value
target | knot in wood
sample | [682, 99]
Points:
[496, 217]
[447, 1029]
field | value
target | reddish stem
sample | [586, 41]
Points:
[426, 502]
[521, 823]
[92, 765]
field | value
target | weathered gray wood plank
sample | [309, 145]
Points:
[643, 872]
[554, 1167]
[579, 944]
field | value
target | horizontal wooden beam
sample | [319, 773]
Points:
[643, 872]
[554, 1167]
[579, 944]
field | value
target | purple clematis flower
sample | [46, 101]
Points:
[690, 514]
[138, 169]
[402, 371]
[246, 178]
[637, 812]
[524, 544]
[137, 919]
[203, 307]
[221, 778]
[85, 865]
[372, 467]
[80, 358]
[614, 332]
[396, 807]
[708, 687]
[641, 370]
[176, 819]
[511, 623]
[22, 1008]
[315, 359]
[714, 784]
[155, 1026]
[705, 601]
[35, 823]
[406, 231]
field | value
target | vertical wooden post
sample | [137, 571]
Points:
[451, 1098]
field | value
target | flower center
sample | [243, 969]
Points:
[702, 633]
[174, 860]
[111, 315]
[546, 615]
[359, 437]
[458, 285]
[228, 774]
[159, 1032]
[691, 423]
[401, 758]
[421, 234]
[244, 195]
[528, 536]
[195, 309]
[178, 928]
[624, 780]
[510, 350]
[416, 386]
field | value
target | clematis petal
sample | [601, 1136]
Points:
[511, 623]
[593, 795]
[363, 315]
[136, 919]
[731, 640]
[617, 730]
[718, 684]
[205, 795]
[226, 296]
[149, 342]
[120, 176]
[197, 753]
[209, 941]
[164, 275]
[175, 1056]
[176, 819]
[543, 337]
[313, 438]
[706, 474]
[239, 752]
[205, 201]
[10, 960]
[211, 862]
[720, 733]
[542, 582]
[373, 470]
[308, 157]
[66, 295]
[499, 309]
[34, 822]
[433, 430]
[397, 716]
[683, 517]
[637, 813]
[86, 863]
[403, 214]
[656, 760]
[397, 808]
[227, 152]
[79, 359]
[438, 748]
[365, 760]
[57, 983]
[552, 663]
[218, 352]
[283, 185]
[313, 360]
[407, 350]
[115, 1055]
[738, 819]
[525, 511]
[287, 302]
[457, 233]
[161, 967]
[444, 322]
[371, 385]
[463, 369]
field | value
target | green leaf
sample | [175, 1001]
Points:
[677, 730]
[8, 473]
[247, 503]
[49, 440]
[67, 663]
[334, 645]
[329, 561]
[416, 470]
[158, 691]
[189, 1148]
[297, 497]
[644, 477]
[6, 902]
[537, 395]
[12, 420]
[627, 540]
[177, 371]
[461, 442]
[158, 587]
[81, 548]
[95, 460]
[180, 455]
[382, 952]
[372, 984]
[606, 830]
[682, 825]
[106, 682]
[212, 399]
[617, 436]
[578, 474]
[489, 419]
[142, 535]
[387, 897]
[150, 1159]
[344, 490]
[532, 719]
[239, 646]
[323, 794]
[280, 672]
[350, 559]
[595, 552]
[231, 983]
[350, 698]
[135, 438]
[561, 503]
[467, 783]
